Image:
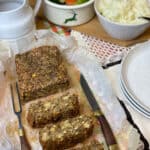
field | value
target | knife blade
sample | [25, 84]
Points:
[107, 132]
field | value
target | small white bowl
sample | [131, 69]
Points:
[120, 31]
[69, 15]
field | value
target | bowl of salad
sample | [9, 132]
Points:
[69, 12]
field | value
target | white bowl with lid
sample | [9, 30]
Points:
[69, 15]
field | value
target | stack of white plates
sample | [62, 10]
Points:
[135, 78]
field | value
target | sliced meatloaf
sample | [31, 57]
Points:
[53, 110]
[41, 72]
[66, 133]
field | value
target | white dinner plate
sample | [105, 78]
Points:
[133, 103]
[135, 75]
[125, 90]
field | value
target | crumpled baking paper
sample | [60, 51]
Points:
[127, 136]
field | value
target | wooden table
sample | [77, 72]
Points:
[94, 28]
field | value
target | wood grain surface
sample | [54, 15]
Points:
[94, 28]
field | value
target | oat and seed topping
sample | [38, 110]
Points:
[67, 133]
[41, 72]
[53, 110]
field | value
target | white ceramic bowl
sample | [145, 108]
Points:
[69, 15]
[120, 31]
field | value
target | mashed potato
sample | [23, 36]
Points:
[125, 11]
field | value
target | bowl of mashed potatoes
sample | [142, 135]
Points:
[121, 18]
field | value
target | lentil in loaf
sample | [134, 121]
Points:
[66, 134]
[53, 110]
[41, 72]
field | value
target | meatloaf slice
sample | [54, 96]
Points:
[93, 145]
[41, 72]
[66, 133]
[53, 110]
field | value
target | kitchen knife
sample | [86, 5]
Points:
[107, 132]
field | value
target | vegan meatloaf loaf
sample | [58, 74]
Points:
[53, 110]
[41, 72]
[66, 134]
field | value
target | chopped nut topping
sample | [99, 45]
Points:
[33, 75]
[53, 110]
[86, 125]
[67, 133]
[41, 72]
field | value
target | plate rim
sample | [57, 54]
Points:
[123, 73]
[133, 104]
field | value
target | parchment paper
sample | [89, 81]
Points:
[127, 136]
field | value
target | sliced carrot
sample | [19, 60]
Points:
[71, 2]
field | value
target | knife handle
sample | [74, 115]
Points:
[107, 132]
[23, 141]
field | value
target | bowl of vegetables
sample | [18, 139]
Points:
[69, 12]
